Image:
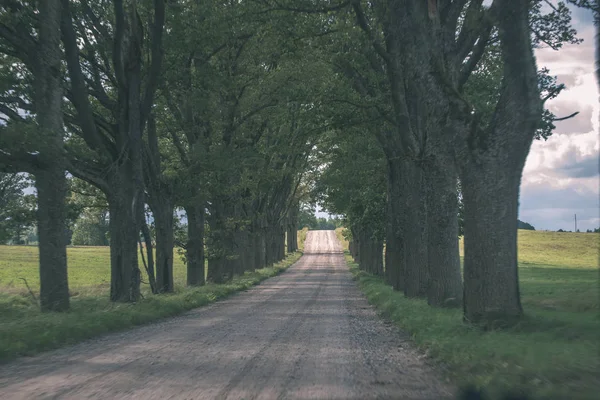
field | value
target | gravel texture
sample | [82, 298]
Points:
[306, 334]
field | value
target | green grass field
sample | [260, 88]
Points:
[554, 353]
[24, 330]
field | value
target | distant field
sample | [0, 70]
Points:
[89, 269]
[557, 249]
[552, 353]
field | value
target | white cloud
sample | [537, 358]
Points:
[561, 176]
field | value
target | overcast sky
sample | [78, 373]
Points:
[561, 176]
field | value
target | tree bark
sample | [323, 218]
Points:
[195, 245]
[445, 281]
[491, 277]
[162, 210]
[280, 243]
[412, 219]
[291, 238]
[377, 257]
[260, 247]
[362, 254]
[149, 252]
[271, 246]
[394, 262]
[51, 182]
[239, 252]
[250, 250]
[51, 191]
[124, 231]
[292, 230]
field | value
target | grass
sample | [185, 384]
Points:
[26, 331]
[553, 353]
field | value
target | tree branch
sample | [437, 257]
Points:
[118, 44]
[18, 162]
[476, 54]
[567, 117]
[9, 112]
[156, 59]
[79, 91]
[364, 25]
[86, 172]
[473, 25]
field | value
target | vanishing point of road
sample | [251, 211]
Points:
[306, 334]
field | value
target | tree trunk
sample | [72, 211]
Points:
[445, 281]
[239, 252]
[377, 257]
[50, 180]
[413, 217]
[150, 268]
[216, 245]
[280, 243]
[195, 246]
[123, 227]
[216, 267]
[51, 190]
[260, 249]
[271, 247]
[360, 250]
[394, 262]
[491, 280]
[250, 250]
[292, 230]
[292, 234]
[355, 245]
[162, 210]
[491, 160]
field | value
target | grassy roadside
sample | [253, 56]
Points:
[552, 354]
[25, 330]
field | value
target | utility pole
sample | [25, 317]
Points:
[575, 222]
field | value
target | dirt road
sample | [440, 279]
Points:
[306, 334]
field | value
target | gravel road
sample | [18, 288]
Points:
[306, 334]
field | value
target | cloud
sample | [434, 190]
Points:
[567, 79]
[581, 123]
[550, 208]
[577, 165]
[561, 177]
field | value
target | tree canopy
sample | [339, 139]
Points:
[411, 120]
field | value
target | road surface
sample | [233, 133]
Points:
[306, 334]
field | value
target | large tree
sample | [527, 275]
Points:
[113, 79]
[41, 54]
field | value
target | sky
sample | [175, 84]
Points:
[561, 175]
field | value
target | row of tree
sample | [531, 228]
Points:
[458, 100]
[229, 109]
[210, 107]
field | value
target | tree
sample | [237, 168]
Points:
[525, 225]
[110, 105]
[40, 53]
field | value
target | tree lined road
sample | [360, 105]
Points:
[306, 334]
